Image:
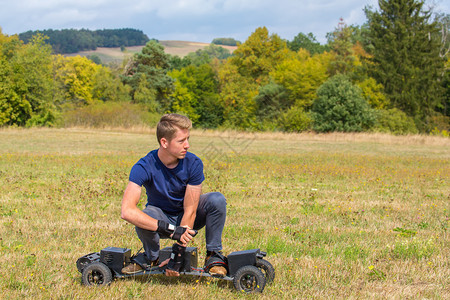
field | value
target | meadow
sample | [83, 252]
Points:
[179, 48]
[342, 216]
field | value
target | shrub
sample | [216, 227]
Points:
[438, 132]
[48, 117]
[110, 114]
[394, 121]
[295, 120]
[340, 106]
[438, 122]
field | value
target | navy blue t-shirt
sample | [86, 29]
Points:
[166, 187]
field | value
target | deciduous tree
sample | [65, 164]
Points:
[75, 79]
[307, 42]
[197, 95]
[237, 95]
[302, 75]
[259, 55]
[26, 83]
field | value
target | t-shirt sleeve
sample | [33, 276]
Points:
[138, 174]
[197, 175]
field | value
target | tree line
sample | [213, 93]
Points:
[72, 40]
[225, 41]
[389, 75]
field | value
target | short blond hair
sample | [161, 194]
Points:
[168, 125]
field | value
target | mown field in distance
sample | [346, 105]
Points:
[180, 48]
[340, 215]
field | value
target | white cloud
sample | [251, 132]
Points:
[200, 20]
[68, 16]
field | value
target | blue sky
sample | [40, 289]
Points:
[188, 20]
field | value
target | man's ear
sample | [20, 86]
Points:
[164, 143]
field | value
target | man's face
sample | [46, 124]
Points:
[179, 145]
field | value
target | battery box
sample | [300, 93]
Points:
[241, 258]
[115, 258]
[83, 261]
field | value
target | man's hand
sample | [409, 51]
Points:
[183, 235]
[168, 271]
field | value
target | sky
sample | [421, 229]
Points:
[189, 20]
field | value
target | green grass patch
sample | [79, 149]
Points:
[412, 248]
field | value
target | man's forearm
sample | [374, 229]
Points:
[131, 213]
[188, 219]
[139, 219]
[190, 205]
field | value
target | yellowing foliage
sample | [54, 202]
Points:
[302, 75]
[183, 101]
[260, 54]
[76, 77]
[237, 93]
[373, 93]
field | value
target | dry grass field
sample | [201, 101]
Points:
[180, 48]
[341, 216]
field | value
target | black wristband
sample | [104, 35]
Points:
[178, 233]
[165, 228]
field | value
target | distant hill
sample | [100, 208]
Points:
[180, 48]
[73, 40]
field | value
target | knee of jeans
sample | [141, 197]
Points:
[152, 211]
[144, 232]
[217, 201]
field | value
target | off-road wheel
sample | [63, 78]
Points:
[96, 273]
[249, 279]
[267, 269]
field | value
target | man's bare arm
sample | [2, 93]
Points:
[191, 199]
[131, 213]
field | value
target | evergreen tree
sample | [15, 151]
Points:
[405, 57]
[340, 41]
[340, 106]
[271, 101]
[73, 40]
[443, 23]
[154, 64]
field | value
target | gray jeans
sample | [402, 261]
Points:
[211, 214]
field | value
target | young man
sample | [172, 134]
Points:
[173, 178]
